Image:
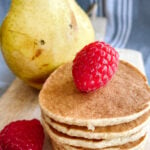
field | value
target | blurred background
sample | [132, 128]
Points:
[121, 23]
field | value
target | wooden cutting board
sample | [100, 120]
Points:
[21, 101]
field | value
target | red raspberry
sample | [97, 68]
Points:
[22, 135]
[94, 66]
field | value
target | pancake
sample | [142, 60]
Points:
[125, 98]
[106, 132]
[92, 144]
[137, 145]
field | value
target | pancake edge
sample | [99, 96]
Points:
[91, 145]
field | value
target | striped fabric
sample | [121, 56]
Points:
[119, 14]
[120, 22]
[85, 4]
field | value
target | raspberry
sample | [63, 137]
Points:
[94, 66]
[22, 135]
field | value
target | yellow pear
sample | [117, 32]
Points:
[37, 36]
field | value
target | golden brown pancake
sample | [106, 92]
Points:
[115, 128]
[130, 145]
[90, 143]
[125, 98]
[106, 132]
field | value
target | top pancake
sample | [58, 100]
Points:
[123, 99]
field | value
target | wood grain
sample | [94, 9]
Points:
[20, 102]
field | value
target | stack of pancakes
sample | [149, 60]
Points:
[115, 116]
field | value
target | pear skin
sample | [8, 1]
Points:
[37, 36]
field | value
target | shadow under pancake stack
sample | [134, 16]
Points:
[115, 116]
